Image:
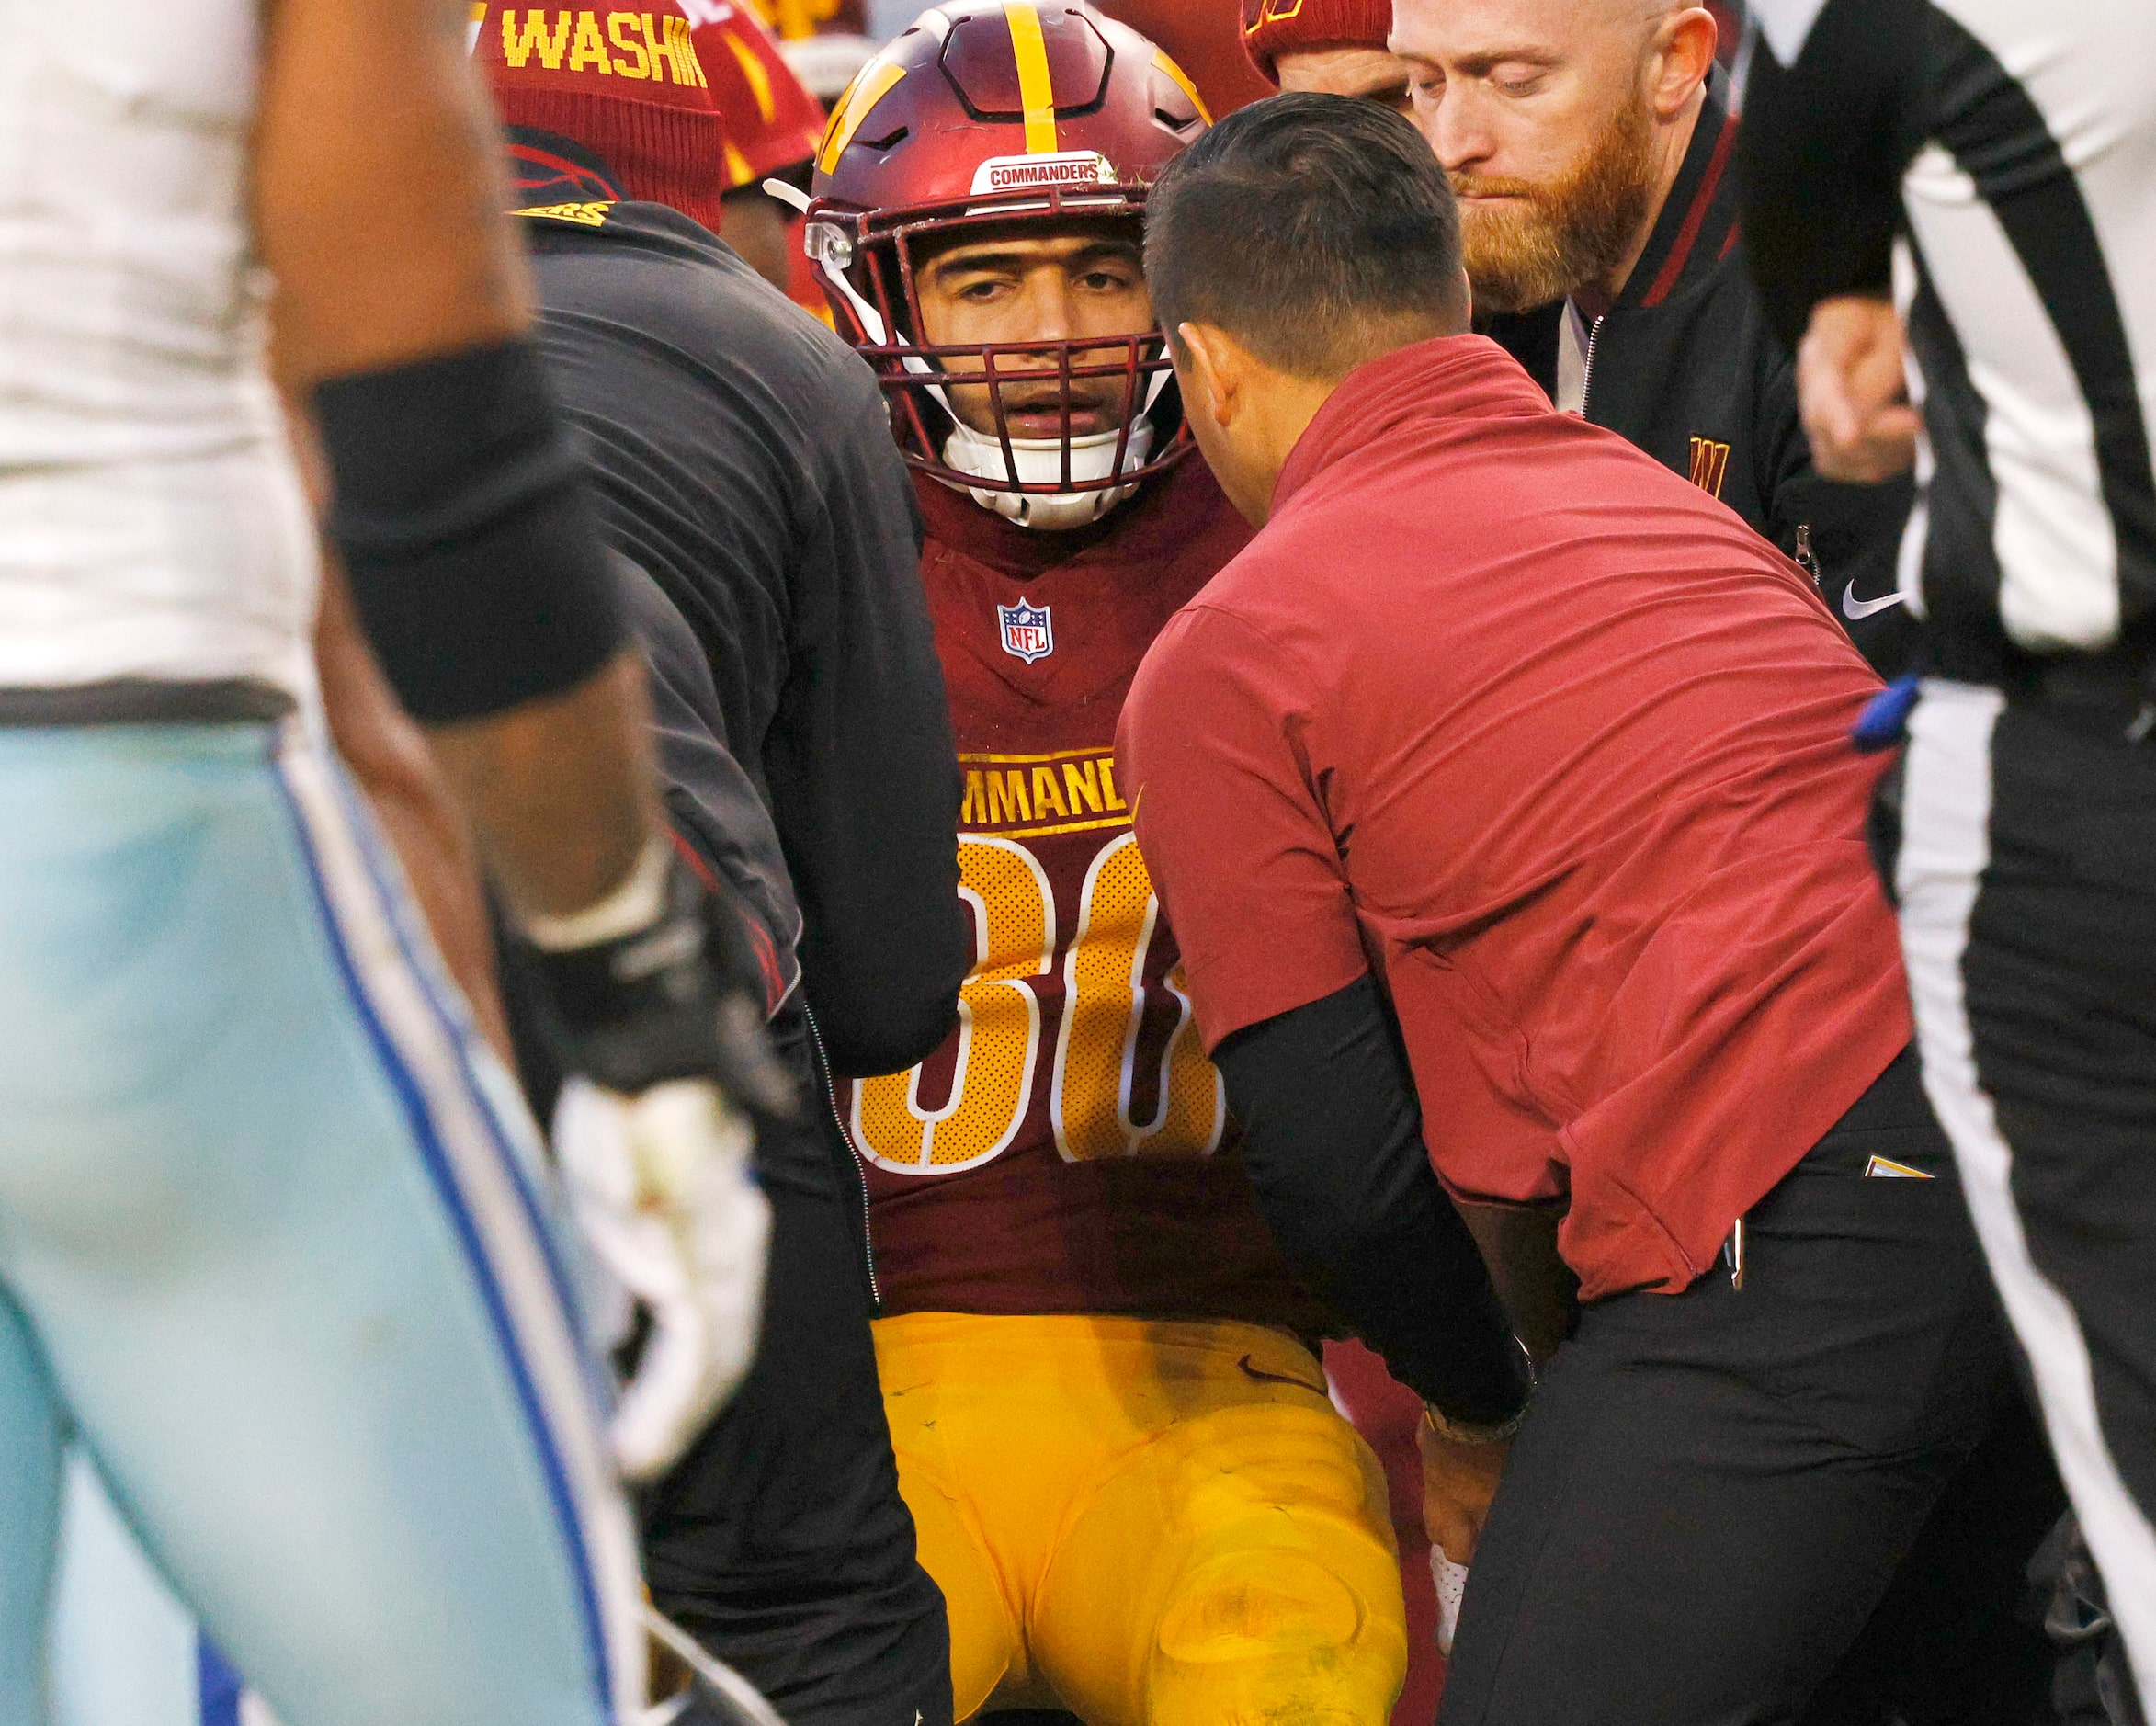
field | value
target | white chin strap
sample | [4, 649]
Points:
[1040, 462]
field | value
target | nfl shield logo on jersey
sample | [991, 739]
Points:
[1027, 633]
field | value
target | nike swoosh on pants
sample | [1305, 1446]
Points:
[1252, 1369]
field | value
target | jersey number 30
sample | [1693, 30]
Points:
[1091, 1085]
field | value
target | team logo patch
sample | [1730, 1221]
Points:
[1710, 462]
[1028, 634]
[591, 215]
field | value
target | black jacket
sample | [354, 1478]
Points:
[743, 462]
[1685, 366]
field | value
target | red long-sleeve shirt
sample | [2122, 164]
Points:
[1501, 709]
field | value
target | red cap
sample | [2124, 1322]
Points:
[626, 85]
[1273, 28]
[769, 120]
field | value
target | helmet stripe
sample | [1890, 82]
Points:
[1037, 88]
[1160, 59]
[869, 87]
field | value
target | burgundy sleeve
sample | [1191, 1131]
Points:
[1214, 738]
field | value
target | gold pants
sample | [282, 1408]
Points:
[1149, 1524]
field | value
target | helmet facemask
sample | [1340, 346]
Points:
[953, 405]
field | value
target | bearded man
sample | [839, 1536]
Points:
[1588, 142]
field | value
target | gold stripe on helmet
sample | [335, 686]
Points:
[1160, 59]
[869, 86]
[1037, 89]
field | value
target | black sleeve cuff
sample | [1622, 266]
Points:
[1335, 1146]
[467, 533]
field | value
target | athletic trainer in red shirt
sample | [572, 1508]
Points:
[1506, 773]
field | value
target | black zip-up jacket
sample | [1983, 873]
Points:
[1685, 366]
[743, 463]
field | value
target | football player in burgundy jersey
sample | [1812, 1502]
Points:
[1113, 1434]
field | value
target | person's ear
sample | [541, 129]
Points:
[1210, 360]
[1679, 57]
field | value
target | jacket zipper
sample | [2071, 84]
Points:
[861, 1174]
[1587, 365]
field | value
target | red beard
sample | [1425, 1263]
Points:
[1562, 235]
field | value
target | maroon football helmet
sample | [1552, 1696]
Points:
[986, 112]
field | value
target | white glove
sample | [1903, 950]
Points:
[660, 1188]
[1452, 1588]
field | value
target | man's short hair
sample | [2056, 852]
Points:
[1318, 230]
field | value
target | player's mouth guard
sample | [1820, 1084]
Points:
[731, 1697]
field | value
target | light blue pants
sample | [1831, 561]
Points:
[274, 1250]
[124, 1651]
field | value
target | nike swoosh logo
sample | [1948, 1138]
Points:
[1857, 610]
[1262, 1377]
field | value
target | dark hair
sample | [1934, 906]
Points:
[1318, 230]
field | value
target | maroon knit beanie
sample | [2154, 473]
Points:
[626, 85]
[1273, 28]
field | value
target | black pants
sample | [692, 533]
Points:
[780, 1541]
[1715, 1489]
[2025, 871]
[1958, 1639]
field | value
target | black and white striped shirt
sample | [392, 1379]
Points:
[1996, 161]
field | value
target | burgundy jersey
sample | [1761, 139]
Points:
[1067, 1148]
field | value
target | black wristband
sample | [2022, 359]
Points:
[467, 533]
